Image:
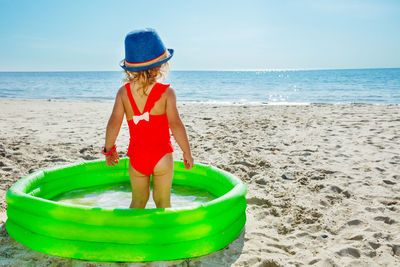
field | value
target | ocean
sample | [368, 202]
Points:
[378, 86]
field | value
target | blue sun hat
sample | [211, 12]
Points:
[144, 50]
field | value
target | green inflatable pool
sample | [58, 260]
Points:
[106, 234]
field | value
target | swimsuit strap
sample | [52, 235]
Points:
[133, 103]
[155, 95]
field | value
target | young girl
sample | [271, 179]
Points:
[151, 111]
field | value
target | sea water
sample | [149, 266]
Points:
[378, 86]
[120, 196]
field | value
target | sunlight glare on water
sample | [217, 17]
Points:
[379, 86]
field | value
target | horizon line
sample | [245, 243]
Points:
[240, 70]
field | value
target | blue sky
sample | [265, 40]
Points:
[88, 35]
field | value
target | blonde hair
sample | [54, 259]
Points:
[146, 77]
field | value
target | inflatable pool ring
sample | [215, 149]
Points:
[104, 234]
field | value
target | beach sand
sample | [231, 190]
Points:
[342, 207]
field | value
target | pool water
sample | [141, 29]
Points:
[120, 196]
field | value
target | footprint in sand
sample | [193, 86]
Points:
[389, 182]
[314, 261]
[262, 215]
[395, 249]
[374, 245]
[336, 189]
[261, 181]
[258, 201]
[354, 222]
[357, 237]
[385, 219]
[88, 157]
[347, 252]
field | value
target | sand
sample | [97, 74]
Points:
[337, 205]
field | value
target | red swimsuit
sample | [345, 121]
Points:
[149, 134]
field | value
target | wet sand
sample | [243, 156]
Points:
[323, 180]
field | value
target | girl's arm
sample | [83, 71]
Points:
[113, 127]
[177, 128]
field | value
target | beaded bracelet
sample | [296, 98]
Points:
[109, 153]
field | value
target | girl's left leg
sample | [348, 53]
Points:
[162, 181]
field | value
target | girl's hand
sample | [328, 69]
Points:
[188, 161]
[113, 159]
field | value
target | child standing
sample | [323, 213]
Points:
[151, 111]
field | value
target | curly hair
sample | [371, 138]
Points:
[146, 77]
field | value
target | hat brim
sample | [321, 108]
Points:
[156, 64]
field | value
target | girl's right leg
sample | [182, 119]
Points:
[140, 188]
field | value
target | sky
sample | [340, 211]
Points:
[206, 35]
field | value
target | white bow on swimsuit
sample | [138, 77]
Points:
[144, 116]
